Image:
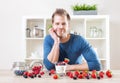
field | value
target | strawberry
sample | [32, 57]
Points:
[68, 73]
[101, 74]
[55, 76]
[29, 74]
[85, 73]
[42, 72]
[71, 75]
[52, 71]
[108, 73]
[76, 73]
[66, 60]
[93, 71]
[93, 75]
[80, 76]
[25, 73]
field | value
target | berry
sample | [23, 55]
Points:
[32, 76]
[80, 76]
[75, 78]
[66, 60]
[39, 76]
[55, 76]
[87, 77]
[42, 72]
[49, 74]
[101, 74]
[108, 73]
[52, 71]
[76, 73]
[68, 73]
[25, 76]
[98, 77]
[93, 75]
[71, 75]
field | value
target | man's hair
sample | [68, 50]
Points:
[61, 12]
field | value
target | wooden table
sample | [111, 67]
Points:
[7, 76]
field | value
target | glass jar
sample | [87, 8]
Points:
[100, 33]
[19, 68]
[28, 31]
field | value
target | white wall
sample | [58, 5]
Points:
[11, 12]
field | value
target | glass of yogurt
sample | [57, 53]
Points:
[60, 68]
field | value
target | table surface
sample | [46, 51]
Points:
[7, 76]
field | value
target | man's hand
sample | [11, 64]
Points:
[54, 35]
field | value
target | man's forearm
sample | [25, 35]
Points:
[54, 54]
[83, 66]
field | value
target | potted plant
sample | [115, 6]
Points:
[84, 9]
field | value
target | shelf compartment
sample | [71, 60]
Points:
[34, 48]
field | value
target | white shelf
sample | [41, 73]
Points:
[96, 38]
[34, 38]
[81, 25]
[33, 58]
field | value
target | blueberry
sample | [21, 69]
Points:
[87, 77]
[49, 74]
[75, 78]
[39, 76]
[25, 76]
[98, 77]
[80, 72]
[32, 76]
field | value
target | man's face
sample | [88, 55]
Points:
[61, 25]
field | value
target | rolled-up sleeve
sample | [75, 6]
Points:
[47, 49]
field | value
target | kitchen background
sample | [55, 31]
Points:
[11, 33]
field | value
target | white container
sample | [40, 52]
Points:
[60, 69]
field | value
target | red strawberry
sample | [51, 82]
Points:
[93, 71]
[76, 73]
[71, 75]
[52, 71]
[85, 73]
[108, 73]
[55, 76]
[42, 72]
[66, 60]
[80, 76]
[29, 74]
[26, 73]
[93, 75]
[101, 74]
[68, 73]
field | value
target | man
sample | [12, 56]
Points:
[60, 44]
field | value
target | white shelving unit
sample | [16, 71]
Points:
[95, 28]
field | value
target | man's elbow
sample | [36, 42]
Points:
[95, 66]
[48, 65]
